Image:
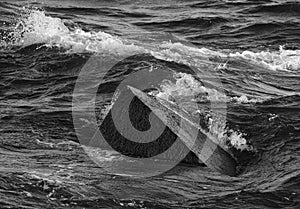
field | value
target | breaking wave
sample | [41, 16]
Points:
[35, 27]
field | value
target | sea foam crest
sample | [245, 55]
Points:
[38, 28]
[286, 60]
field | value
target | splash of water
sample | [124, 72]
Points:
[186, 90]
[39, 28]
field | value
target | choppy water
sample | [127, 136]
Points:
[252, 47]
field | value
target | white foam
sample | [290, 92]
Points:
[228, 138]
[288, 60]
[243, 100]
[188, 55]
[238, 141]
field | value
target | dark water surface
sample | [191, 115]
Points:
[252, 47]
